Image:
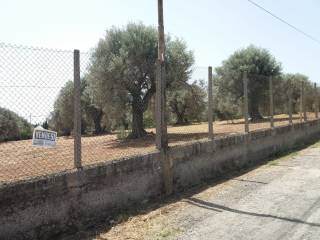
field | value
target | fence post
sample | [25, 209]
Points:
[245, 102]
[316, 104]
[271, 102]
[304, 104]
[290, 104]
[161, 124]
[77, 110]
[210, 103]
[301, 103]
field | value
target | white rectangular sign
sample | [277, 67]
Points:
[43, 137]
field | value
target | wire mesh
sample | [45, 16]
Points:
[30, 81]
[187, 107]
[107, 118]
[37, 89]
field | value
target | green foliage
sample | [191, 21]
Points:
[122, 74]
[61, 119]
[188, 102]
[122, 133]
[13, 127]
[259, 64]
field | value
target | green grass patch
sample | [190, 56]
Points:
[168, 232]
[316, 145]
[284, 156]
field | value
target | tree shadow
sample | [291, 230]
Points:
[173, 139]
[104, 225]
[220, 208]
[264, 120]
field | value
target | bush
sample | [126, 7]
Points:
[13, 127]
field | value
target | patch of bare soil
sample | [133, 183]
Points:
[20, 160]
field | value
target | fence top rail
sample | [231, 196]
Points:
[24, 47]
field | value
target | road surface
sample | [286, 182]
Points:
[279, 200]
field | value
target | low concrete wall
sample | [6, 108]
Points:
[63, 203]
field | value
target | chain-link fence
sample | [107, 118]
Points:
[42, 87]
[31, 79]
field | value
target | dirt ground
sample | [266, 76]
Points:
[20, 160]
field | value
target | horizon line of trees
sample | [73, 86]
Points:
[118, 92]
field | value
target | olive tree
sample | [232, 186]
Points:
[123, 71]
[259, 65]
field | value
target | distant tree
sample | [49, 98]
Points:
[45, 124]
[122, 73]
[13, 127]
[259, 64]
[93, 112]
[294, 82]
[187, 102]
[61, 118]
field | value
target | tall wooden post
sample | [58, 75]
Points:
[161, 124]
[271, 102]
[245, 102]
[301, 101]
[77, 110]
[210, 103]
[290, 103]
[316, 102]
[304, 103]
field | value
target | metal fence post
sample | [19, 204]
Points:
[77, 110]
[210, 103]
[161, 123]
[316, 104]
[290, 103]
[245, 102]
[271, 103]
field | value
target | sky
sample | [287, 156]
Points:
[213, 29]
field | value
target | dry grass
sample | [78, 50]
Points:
[20, 160]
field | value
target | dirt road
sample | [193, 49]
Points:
[279, 200]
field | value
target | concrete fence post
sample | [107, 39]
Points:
[210, 103]
[161, 123]
[77, 110]
[271, 102]
[290, 103]
[245, 102]
[316, 101]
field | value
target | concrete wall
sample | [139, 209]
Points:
[58, 204]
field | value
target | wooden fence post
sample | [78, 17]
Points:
[77, 110]
[210, 103]
[271, 102]
[245, 102]
[161, 123]
[305, 118]
[316, 103]
[290, 103]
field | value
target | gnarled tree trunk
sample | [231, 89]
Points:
[137, 119]
[254, 112]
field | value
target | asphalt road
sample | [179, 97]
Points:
[280, 201]
[277, 201]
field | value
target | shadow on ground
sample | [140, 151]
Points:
[186, 195]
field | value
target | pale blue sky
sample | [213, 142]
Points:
[213, 29]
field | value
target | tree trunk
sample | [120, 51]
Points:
[97, 122]
[137, 119]
[180, 118]
[254, 112]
